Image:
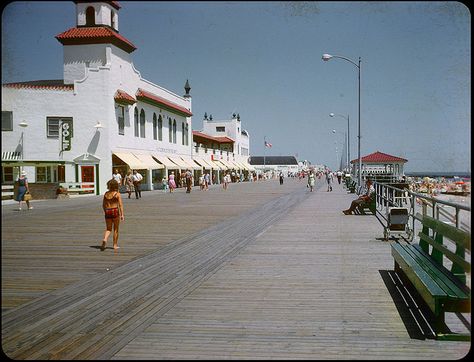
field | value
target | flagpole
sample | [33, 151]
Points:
[264, 147]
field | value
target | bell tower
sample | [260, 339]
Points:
[94, 38]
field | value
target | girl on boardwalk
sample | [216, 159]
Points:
[22, 190]
[171, 182]
[113, 209]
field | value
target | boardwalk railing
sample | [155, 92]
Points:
[391, 197]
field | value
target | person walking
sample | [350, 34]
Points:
[339, 176]
[329, 180]
[128, 182]
[207, 180]
[23, 188]
[311, 181]
[281, 178]
[113, 209]
[189, 180]
[137, 180]
[226, 181]
[172, 182]
[164, 183]
[117, 177]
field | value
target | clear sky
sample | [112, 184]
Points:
[263, 61]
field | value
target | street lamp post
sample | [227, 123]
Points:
[327, 57]
[348, 139]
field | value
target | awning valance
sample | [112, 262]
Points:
[11, 156]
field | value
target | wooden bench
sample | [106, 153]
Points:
[370, 205]
[442, 289]
[352, 185]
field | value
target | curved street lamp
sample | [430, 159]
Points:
[348, 139]
[327, 57]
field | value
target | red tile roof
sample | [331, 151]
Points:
[57, 84]
[95, 35]
[123, 97]
[380, 157]
[146, 96]
[212, 138]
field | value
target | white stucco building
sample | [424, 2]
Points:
[102, 115]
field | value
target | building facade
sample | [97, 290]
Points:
[102, 115]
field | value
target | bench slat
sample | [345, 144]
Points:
[440, 274]
[428, 290]
[448, 253]
[458, 236]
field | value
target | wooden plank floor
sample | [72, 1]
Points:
[260, 271]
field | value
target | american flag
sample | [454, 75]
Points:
[269, 145]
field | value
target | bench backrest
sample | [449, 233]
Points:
[435, 233]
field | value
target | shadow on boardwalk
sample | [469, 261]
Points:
[260, 271]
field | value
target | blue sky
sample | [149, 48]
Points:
[263, 61]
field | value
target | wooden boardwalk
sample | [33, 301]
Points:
[258, 272]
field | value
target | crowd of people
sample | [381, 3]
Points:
[131, 184]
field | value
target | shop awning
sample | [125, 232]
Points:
[179, 161]
[191, 162]
[131, 160]
[146, 159]
[219, 165]
[242, 166]
[203, 162]
[226, 164]
[237, 165]
[166, 161]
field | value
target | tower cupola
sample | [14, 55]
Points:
[97, 13]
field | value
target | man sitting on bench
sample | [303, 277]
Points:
[362, 199]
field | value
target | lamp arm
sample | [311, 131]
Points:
[350, 61]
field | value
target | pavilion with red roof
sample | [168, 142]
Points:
[379, 165]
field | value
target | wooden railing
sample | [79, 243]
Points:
[79, 188]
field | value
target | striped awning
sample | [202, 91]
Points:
[203, 162]
[131, 160]
[166, 161]
[11, 156]
[179, 161]
[219, 165]
[191, 162]
[146, 159]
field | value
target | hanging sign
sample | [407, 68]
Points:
[66, 135]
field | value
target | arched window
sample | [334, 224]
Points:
[137, 125]
[174, 131]
[160, 128]
[155, 127]
[142, 123]
[112, 19]
[90, 16]
[182, 134]
[170, 130]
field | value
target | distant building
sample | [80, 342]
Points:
[274, 164]
[225, 143]
[380, 166]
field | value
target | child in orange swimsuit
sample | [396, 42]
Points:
[113, 209]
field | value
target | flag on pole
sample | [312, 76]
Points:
[269, 145]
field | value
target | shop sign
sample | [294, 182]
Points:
[66, 135]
